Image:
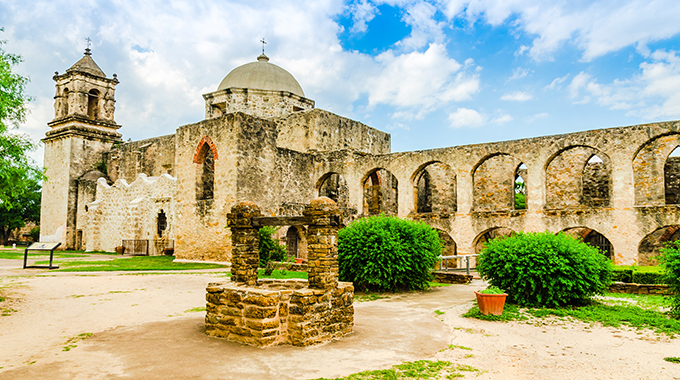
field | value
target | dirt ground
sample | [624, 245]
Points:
[142, 326]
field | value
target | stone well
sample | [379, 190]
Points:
[270, 312]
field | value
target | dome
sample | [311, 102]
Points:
[261, 75]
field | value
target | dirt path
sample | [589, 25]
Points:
[142, 327]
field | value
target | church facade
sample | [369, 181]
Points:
[263, 141]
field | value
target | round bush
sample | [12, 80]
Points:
[381, 253]
[544, 269]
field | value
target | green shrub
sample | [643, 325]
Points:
[544, 269]
[622, 274]
[270, 250]
[35, 234]
[670, 262]
[648, 275]
[381, 253]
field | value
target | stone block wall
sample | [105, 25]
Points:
[278, 312]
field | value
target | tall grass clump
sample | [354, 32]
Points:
[544, 269]
[382, 253]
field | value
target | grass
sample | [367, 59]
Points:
[370, 296]
[672, 359]
[510, 313]
[195, 310]
[136, 263]
[282, 274]
[71, 342]
[420, 369]
[636, 311]
[19, 255]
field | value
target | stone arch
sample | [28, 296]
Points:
[449, 248]
[93, 104]
[434, 186]
[592, 238]
[296, 242]
[205, 156]
[650, 246]
[574, 178]
[493, 181]
[490, 234]
[380, 192]
[649, 164]
[521, 176]
[671, 177]
[333, 186]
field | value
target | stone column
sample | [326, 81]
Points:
[245, 241]
[322, 243]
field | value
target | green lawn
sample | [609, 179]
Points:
[136, 263]
[19, 254]
[613, 310]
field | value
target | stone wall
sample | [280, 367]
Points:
[130, 212]
[323, 131]
[260, 103]
[278, 312]
[152, 157]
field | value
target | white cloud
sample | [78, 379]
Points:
[466, 118]
[596, 28]
[502, 119]
[555, 84]
[537, 116]
[428, 80]
[518, 73]
[362, 13]
[516, 96]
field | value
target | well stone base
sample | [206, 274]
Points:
[278, 312]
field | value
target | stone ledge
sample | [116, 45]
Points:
[452, 277]
[630, 288]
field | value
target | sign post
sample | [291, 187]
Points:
[41, 247]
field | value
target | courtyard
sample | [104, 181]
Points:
[150, 325]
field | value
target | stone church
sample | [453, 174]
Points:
[263, 141]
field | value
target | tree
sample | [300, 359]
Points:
[19, 176]
[25, 207]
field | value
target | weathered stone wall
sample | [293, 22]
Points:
[323, 131]
[634, 158]
[130, 212]
[152, 157]
[278, 312]
[260, 103]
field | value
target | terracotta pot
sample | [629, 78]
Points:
[120, 250]
[298, 260]
[491, 303]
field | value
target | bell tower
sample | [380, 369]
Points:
[83, 129]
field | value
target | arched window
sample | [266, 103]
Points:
[424, 189]
[205, 157]
[64, 102]
[671, 173]
[596, 183]
[93, 104]
[520, 187]
[380, 193]
[162, 223]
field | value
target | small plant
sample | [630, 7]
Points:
[672, 359]
[270, 249]
[491, 290]
[544, 269]
[381, 253]
[439, 312]
[670, 261]
[71, 342]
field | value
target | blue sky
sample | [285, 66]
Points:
[432, 73]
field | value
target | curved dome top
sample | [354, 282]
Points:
[261, 75]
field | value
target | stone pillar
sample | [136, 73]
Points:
[245, 241]
[322, 243]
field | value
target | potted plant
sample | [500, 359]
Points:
[299, 260]
[491, 300]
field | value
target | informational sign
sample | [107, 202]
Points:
[41, 246]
